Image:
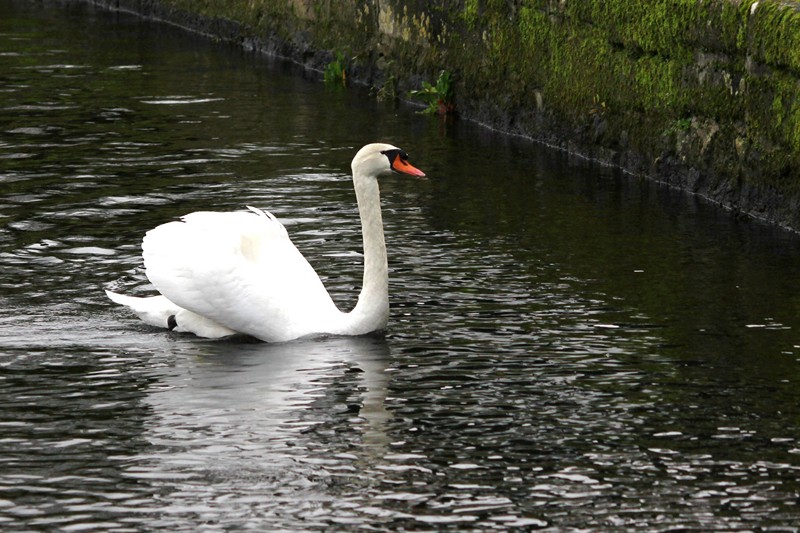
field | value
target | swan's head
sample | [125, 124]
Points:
[379, 159]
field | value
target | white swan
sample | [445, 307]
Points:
[238, 272]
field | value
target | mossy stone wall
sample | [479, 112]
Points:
[700, 94]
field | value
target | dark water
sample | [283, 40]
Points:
[569, 349]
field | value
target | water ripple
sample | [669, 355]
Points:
[527, 380]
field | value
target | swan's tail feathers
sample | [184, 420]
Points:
[158, 311]
[153, 310]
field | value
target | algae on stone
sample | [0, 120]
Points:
[702, 94]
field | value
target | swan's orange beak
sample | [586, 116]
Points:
[404, 167]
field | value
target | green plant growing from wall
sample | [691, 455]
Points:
[386, 92]
[439, 97]
[335, 73]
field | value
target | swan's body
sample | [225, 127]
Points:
[226, 273]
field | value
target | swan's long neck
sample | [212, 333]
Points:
[372, 310]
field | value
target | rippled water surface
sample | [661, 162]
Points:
[569, 349]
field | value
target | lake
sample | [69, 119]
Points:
[569, 348]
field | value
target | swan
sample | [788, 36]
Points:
[222, 273]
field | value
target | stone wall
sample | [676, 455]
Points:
[700, 94]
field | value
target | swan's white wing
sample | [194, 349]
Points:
[240, 270]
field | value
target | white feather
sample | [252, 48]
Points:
[223, 273]
[239, 269]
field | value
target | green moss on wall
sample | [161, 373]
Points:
[774, 38]
[700, 93]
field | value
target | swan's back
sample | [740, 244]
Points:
[241, 270]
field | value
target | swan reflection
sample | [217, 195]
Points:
[239, 408]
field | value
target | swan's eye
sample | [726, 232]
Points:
[395, 153]
[391, 155]
[398, 162]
